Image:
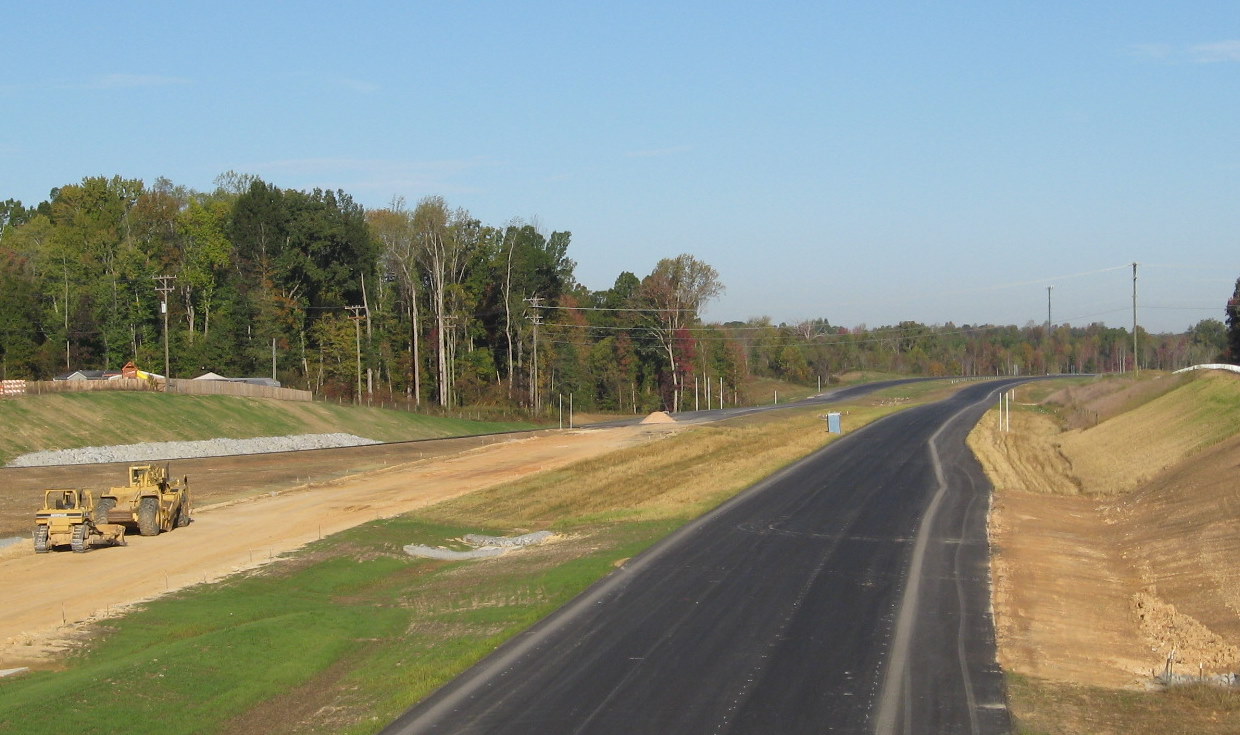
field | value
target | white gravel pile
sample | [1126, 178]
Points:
[529, 539]
[152, 451]
[488, 546]
[434, 552]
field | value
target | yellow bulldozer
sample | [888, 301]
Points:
[66, 518]
[151, 501]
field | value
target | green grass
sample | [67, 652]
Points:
[70, 420]
[1214, 402]
[213, 653]
[206, 654]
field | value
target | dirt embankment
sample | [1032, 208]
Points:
[1115, 542]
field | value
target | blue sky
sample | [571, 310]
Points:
[863, 162]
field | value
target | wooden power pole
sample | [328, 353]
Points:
[164, 288]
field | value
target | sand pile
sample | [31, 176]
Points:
[659, 417]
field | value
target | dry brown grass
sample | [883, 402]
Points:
[1135, 446]
[1084, 405]
[1050, 708]
[1029, 458]
[681, 475]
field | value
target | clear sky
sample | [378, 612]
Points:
[863, 162]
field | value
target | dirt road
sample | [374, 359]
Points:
[215, 479]
[49, 597]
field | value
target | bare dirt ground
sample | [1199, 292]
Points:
[216, 479]
[1098, 585]
[249, 510]
[1100, 590]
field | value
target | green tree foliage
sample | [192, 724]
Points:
[19, 311]
[672, 296]
[13, 214]
[1208, 340]
[434, 302]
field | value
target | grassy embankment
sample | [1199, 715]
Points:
[344, 635]
[765, 391]
[70, 420]
[1147, 462]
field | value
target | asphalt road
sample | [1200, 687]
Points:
[849, 593]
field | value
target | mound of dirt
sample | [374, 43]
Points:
[659, 417]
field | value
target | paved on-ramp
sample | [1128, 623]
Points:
[848, 593]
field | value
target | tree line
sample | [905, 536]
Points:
[429, 304]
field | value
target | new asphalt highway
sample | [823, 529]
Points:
[847, 594]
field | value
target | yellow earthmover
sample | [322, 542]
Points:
[151, 501]
[66, 519]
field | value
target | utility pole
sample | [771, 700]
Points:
[1136, 362]
[1048, 308]
[536, 319]
[449, 387]
[164, 288]
[356, 311]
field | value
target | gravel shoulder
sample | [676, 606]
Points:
[160, 451]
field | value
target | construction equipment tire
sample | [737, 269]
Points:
[40, 539]
[105, 506]
[183, 512]
[80, 535]
[148, 516]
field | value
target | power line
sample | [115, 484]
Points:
[648, 310]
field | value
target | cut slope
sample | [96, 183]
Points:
[1128, 450]
[1183, 536]
[1165, 423]
[1099, 590]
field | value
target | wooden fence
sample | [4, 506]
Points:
[183, 387]
[246, 390]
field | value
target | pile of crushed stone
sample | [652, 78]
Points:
[529, 539]
[485, 546]
[153, 451]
